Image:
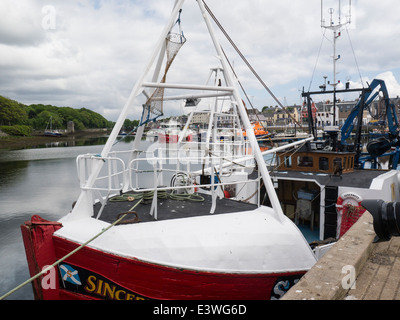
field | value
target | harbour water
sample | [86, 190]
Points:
[39, 181]
[42, 181]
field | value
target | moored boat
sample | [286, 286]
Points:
[323, 182]
[50, 132]
[158, 224]
[169, 132]
[259, 131]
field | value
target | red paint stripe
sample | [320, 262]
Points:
[162, 282]
[141, 278]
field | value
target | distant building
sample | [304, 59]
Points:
[200, 119]
[70, 127]
[304, 114]
[322, 113]
[277, 116]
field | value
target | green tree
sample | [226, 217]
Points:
[11, 112]
[37, 116]
[43, 120]
[129, 125]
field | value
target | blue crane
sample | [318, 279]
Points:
[383, 146]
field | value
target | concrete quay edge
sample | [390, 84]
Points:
[324, 281]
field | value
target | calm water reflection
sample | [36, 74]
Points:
[39, 181]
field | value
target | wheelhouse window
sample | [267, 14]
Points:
[337, 164]
[305, 161]
[323, 163]
[288, 161]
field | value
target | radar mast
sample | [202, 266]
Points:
[335, 27]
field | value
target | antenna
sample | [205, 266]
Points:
[329, 8]
[335, 28]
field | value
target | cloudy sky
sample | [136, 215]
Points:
[89, 53]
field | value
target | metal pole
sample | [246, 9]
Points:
[243, 115]
[83, 207]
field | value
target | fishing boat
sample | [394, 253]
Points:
[152, 134]
[172, 223]
[259, 131]
[169, 132]
[322, 183]
[322, 190]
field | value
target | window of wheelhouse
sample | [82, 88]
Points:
[287, 161]
[323, 163]
[305, 161]
[337, 163]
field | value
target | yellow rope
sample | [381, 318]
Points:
[125, 197]
[66, 256]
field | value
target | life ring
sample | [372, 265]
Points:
[348, 198]
[348, 216]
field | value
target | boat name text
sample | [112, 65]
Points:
[108, 291]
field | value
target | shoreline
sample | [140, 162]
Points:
[38, 139]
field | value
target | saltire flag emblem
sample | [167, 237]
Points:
[69, 274]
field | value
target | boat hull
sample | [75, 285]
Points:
[94, 274]
[172, 138]
[52, 134]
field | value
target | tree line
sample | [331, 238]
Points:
[15, 116]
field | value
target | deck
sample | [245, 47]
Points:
[169, 207]
[356, 179]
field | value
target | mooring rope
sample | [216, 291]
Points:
[48, 268]
[125, 197]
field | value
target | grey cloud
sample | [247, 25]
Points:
[98, 49]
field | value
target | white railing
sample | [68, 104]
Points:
[172, 170]
[180, 176]
[111, 177]
[160, 173]
[175, 170]
[122, 170]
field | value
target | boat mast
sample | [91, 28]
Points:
[83, 207]
[246, 122]
[335, 27]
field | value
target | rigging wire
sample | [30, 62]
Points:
[316, 62]
[247, 62]
[355, 58]
[245, 93]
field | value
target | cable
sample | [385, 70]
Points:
[48, 268]
[316, 63]
[247, 62]
[355, 58]
[247, 97]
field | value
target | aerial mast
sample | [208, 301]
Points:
[336, 28]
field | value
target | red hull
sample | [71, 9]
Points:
[102, 275]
